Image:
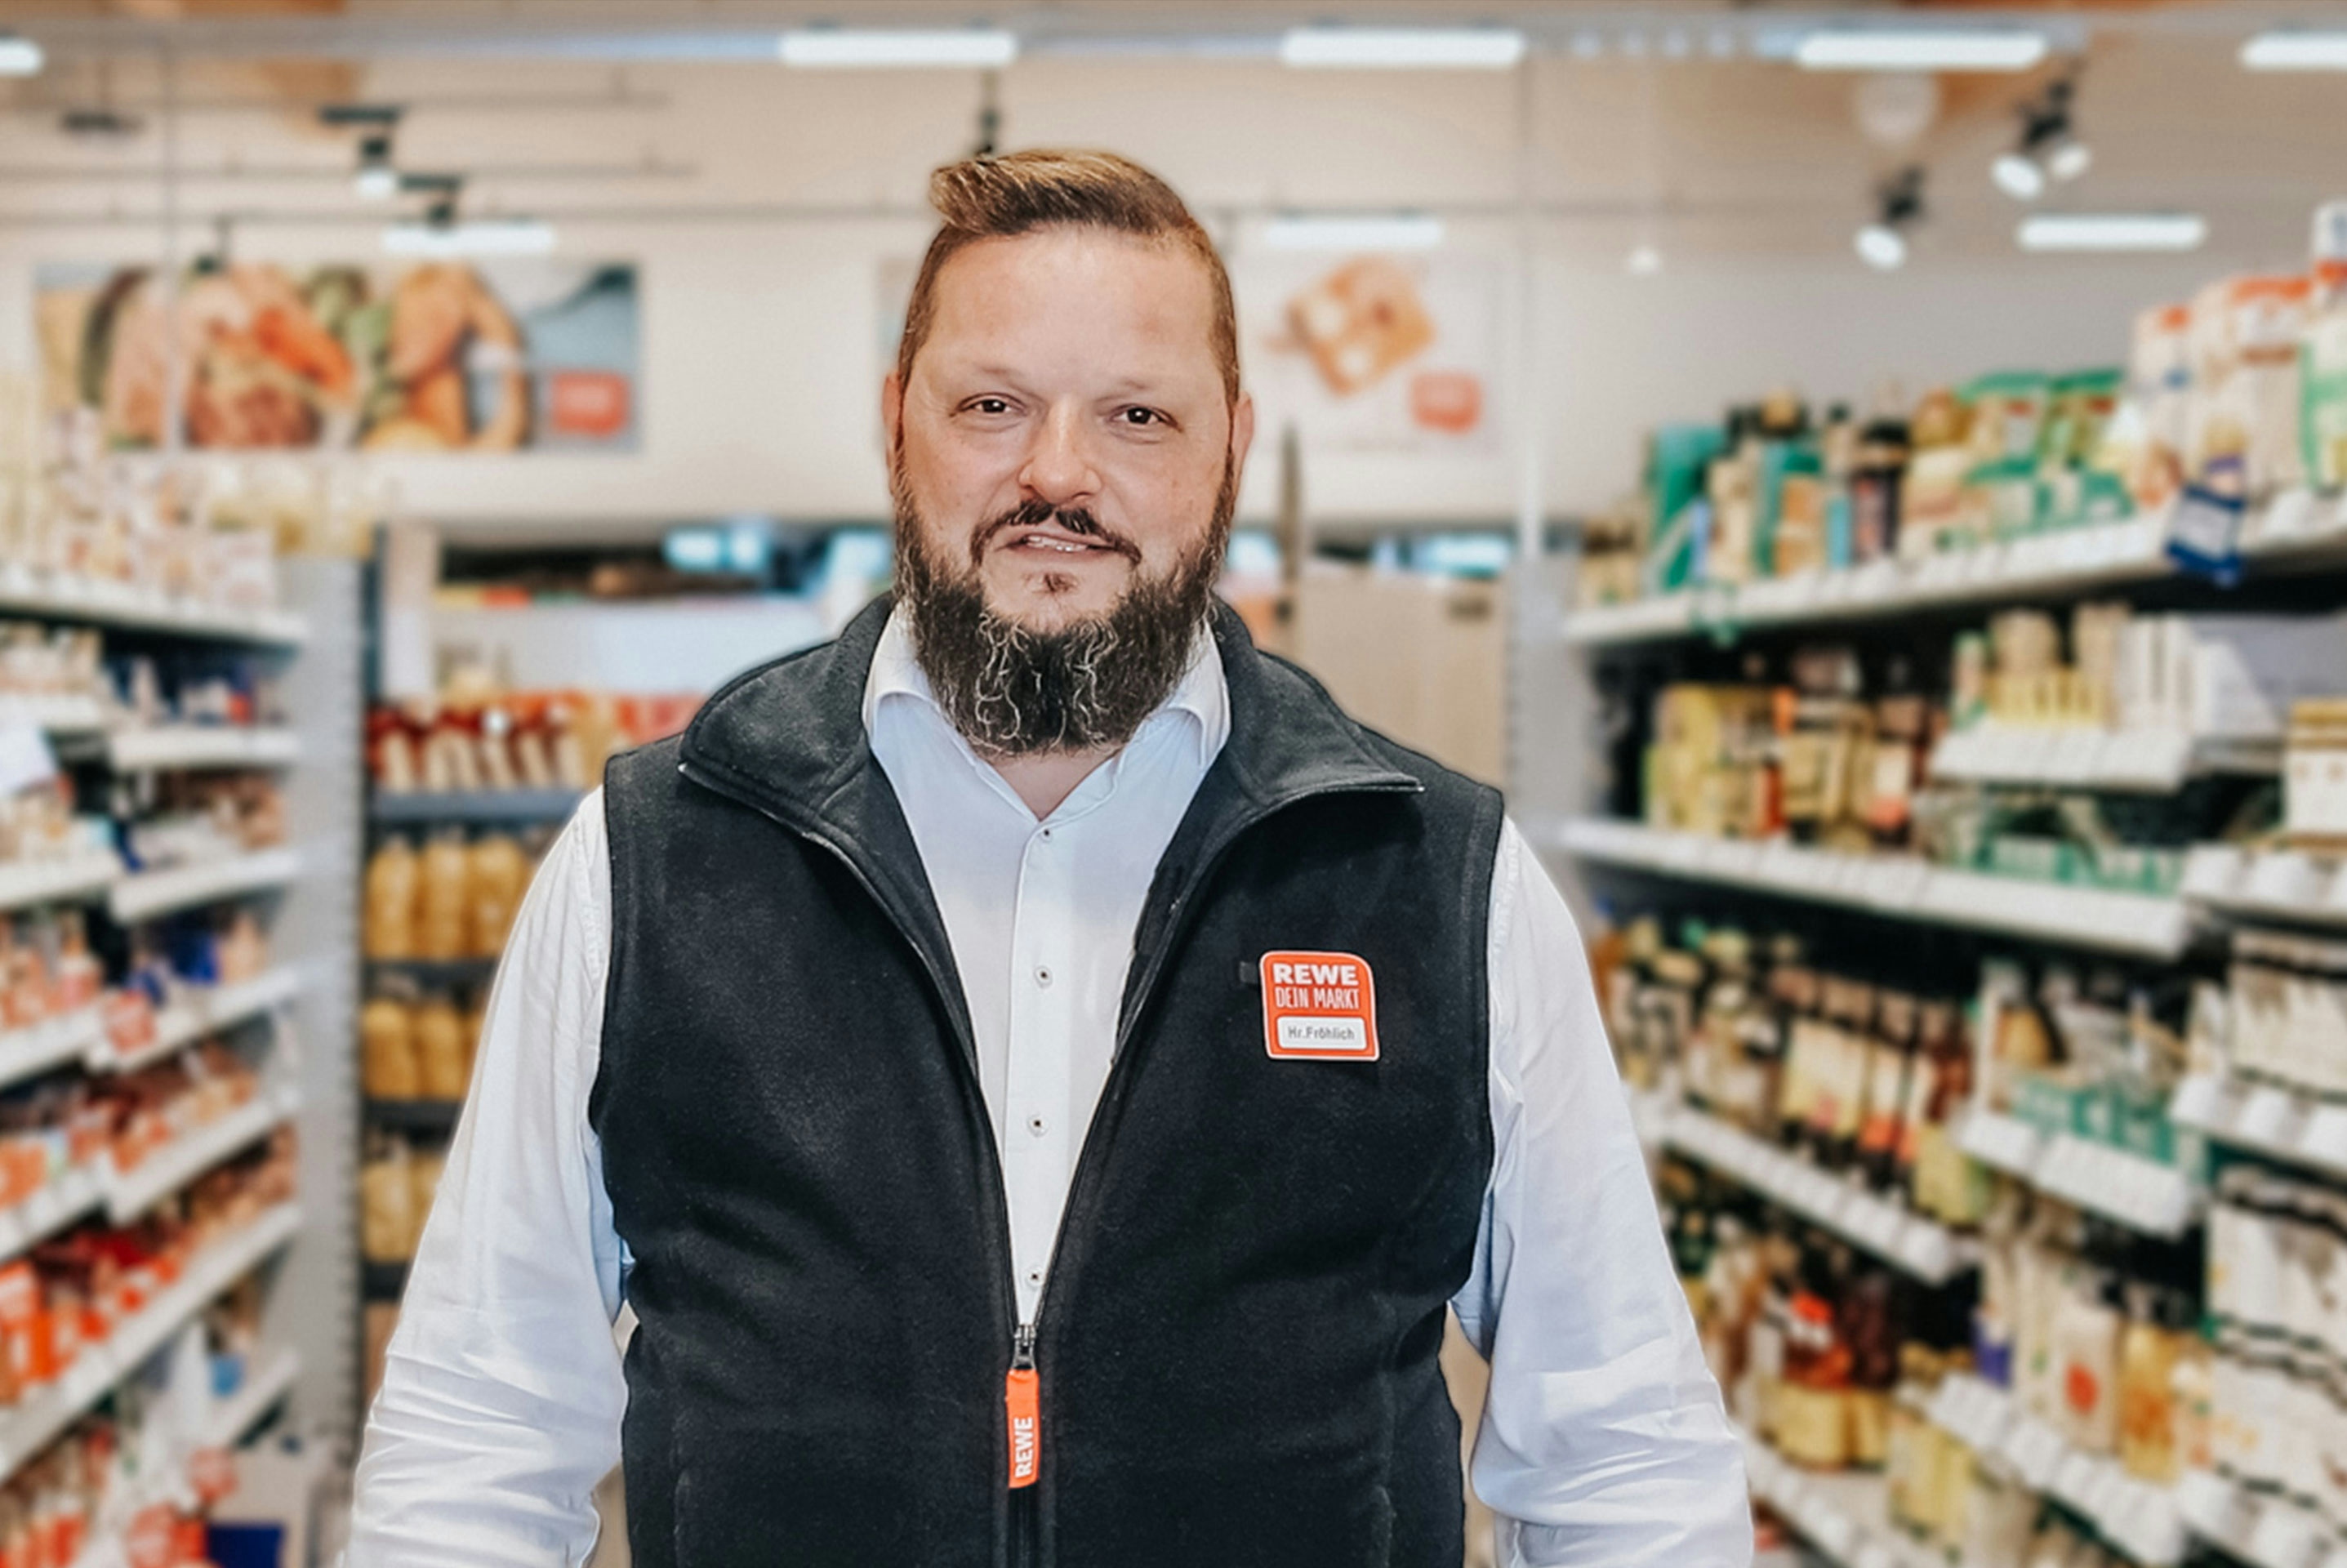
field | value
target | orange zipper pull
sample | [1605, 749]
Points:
[1022, 1402]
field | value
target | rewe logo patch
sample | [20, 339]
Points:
[1319, 1007]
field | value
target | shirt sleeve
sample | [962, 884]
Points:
[502, 1390]
[1604, 1440]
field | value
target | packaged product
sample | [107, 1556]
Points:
[2324, 379]
[389, 1064]
[2152, 434]
[2244, 438]
[440, 1052]
[392, 887]
[444, 919]
[498, 873]
[387, 1219]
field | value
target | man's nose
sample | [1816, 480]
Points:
[1060, 469]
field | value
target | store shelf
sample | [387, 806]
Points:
[416, 1115]
[2273, 885]
[1844, 1515]
[2288, 1125]
[144, 895]
[2101, 555]
[436, 973]
[238, 1414]
[78, 879]
[57, 716]
[2261, 1532]
[2144, 761]
[2296, 532]
[53, 596]
[38, 1421]
[2144, 1520]
[2139, 1193]
[129, 1194]
[2141, 925]
[189, 1021]
[517, 805]
[37, 1048]
[200, 746]
[70, 1194]
[1890, 1231]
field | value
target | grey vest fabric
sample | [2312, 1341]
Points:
[1236, 1343]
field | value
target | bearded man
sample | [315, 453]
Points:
[1037, 1071]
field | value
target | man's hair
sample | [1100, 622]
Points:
[1020, 192]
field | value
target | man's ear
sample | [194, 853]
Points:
[1242, 433]
[892, 408]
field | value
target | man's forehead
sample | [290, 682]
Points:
[1083, 275]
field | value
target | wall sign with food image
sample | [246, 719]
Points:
[1373, 350]
[442, 356]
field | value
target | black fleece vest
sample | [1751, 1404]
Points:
[1237, 1342]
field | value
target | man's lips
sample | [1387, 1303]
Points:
[1057, 544]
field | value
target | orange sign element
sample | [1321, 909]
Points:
[591, 402]
[1359, 322]
[1319, 1007]
[1021, 1405]
[1450, 401]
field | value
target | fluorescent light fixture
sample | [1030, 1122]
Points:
[1393, 231]
[2295, 51]
[851, 48]
[1403, 48]
[2017, 175]
[20, 56]
[1881, 247]
[1921, 49]
[473, 237]
[2113, 231]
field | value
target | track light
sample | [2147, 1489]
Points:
[2049, 148]
[1883, 245]
[377, 179]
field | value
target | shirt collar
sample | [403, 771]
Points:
[1202, 694]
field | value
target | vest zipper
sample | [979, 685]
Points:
[1022, 1405]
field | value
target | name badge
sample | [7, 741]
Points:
[1319, 1007]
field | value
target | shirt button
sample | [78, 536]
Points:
[1047, 836]
[1038, 1126]
[1043, 976]
[1035, 1276]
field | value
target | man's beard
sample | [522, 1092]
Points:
[1015, 691]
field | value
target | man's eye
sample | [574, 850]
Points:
[1143, 416]
[990, 405]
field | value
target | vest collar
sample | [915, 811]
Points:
[790, 735]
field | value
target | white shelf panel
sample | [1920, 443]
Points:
[185, 1022]
[30, 1051]
[36, 1423]
[77, 880]
[2134, 923]
[61, 597]
[129, 1194]
[264, 1386]
[2282, 884]
[2144, 762]
[1845, 1516]
[2144, 1520]
[59, 715]
[69, 1196]
[2264, 1532]
[2286, 1125]
[200, 746]
[1890, 1231]
[2294, 532]
[2141, 1195]
[145, 895]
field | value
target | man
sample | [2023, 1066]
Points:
[1037, 1071]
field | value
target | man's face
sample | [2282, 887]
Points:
[1069, 374]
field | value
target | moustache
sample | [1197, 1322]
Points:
[1039, 514]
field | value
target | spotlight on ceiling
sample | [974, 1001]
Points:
[1643, 262]
[1898, 207]
[2050, 147]
[377, 179]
